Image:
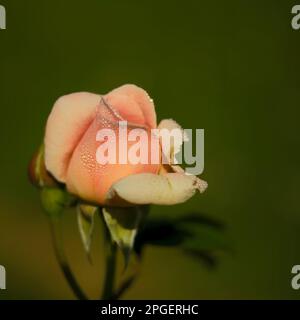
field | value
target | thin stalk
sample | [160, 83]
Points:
[109, 281]
[56, 233]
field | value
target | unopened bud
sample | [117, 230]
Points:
[37, 172]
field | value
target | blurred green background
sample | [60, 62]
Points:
[230, 67]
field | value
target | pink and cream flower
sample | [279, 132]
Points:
[71, 147]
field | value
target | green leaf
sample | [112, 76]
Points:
[204, 238]
[85, 218]
[193, 233]
[122, 224]
[54, 200]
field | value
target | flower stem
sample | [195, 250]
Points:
[111, 259]
[56, 233]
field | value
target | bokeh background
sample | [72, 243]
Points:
[230, 67]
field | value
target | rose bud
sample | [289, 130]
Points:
[71, 147]
[37, 172]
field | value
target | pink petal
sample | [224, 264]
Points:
[89, 179]
[69, 119]
[133, 104]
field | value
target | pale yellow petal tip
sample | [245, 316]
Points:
[169, 124]
[201, 185]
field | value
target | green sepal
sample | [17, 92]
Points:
[122, 224]
[85, 219]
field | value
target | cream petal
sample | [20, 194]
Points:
[69, 119]
[147, 188]
[169, 124]
[174, 148]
